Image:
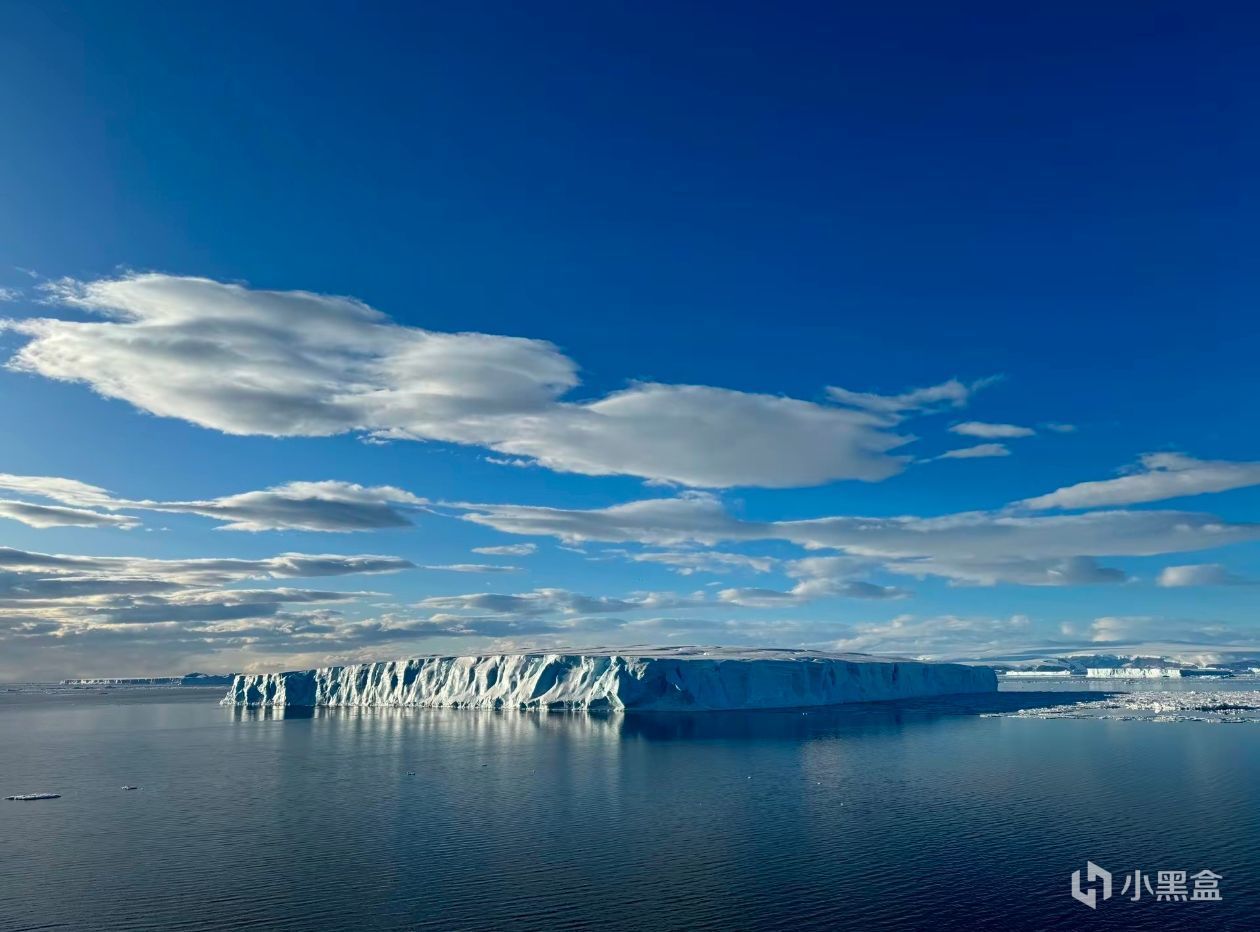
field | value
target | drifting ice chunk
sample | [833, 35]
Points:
[646, 679]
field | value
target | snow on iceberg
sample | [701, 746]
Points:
[642, 679]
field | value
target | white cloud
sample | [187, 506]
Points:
[701, 436]
[70, 491]
[997, 536]
[690, 562]
[203, 571]
[78, 503]
[990, 431]
[294, 363]
[971, 547]
[45, 516]
[855, 589]
[1199, 574]
[1161, 476]
[1060, 428]
[313, 633]
[510, 461]
[304, 506]
[694, 517]
[1117, 628]
[1020, 636]
[979, 451]
[281, 363]
[561, 618]
[474, 568]
[817, 578]
[68, 615]
[537, 630]
[79, 611]
[802, 594]
[507, 550]
[556, 601]
[1058, 571]
[949, 394]
[756, 597]
[940, 637]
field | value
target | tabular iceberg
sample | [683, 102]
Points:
[639, 679]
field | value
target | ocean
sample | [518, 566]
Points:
[940, 814]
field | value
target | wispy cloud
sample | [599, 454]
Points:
[689, 562]
[561, 601]
[979, 451]
[507, 550]
[946, 395]
[978, 548]
[1200, 574]
[69, 606]
[473, 568]
[46, 516]
[303, 506]
[990, 431]
[1160, 476]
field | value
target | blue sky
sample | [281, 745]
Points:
[1046, 215]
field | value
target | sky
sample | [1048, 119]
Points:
[334, 333]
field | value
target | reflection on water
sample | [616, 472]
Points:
[906, 815]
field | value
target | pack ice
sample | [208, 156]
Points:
[642, 679]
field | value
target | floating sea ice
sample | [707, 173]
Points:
[1211, 707]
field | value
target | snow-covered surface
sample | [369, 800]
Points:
[1158, 706]
[656, 679]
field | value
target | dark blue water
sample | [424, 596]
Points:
[884, 817]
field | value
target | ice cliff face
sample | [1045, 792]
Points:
[673, 679]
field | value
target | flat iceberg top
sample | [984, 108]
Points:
[620, 679]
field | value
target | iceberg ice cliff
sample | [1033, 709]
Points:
[633, 679]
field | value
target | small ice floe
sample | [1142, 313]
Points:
[131, 787]
[31, 797]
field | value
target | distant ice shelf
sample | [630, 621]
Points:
[187, 679]
[640, 679]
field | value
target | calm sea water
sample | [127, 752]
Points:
[915, 816]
